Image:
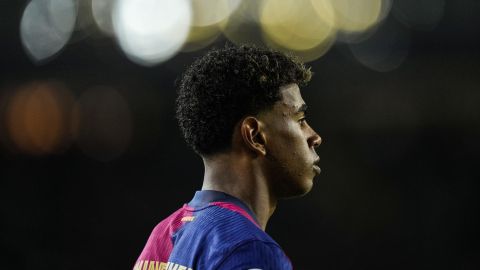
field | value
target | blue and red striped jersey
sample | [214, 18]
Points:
[213, 231]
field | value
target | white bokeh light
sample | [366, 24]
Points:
[151, 31]
[46, 27]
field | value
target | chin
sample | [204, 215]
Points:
[300, 189]
[307, 187]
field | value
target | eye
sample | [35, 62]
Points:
[302, 120]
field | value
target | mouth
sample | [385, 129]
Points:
[316, 168]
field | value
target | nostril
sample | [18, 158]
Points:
[316, 141]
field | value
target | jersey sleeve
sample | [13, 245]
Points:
[256, 255]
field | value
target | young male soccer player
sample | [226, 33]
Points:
[241, 110]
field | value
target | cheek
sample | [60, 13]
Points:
[283, 139]
[289, 145]
[294, 140]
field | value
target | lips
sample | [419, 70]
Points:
[316, 168]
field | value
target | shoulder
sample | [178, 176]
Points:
[255, 254]
[229, 227]
[214, 234]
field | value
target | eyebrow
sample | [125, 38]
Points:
[301, 109]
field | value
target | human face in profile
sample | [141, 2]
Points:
[290, 159]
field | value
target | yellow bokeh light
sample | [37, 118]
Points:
[294, 25]
[200, 37]
[210, 12]
[207, 18]
[36, 117]
[241, 27]
[351, 15]
[305, 55]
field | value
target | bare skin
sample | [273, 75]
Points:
[272, 157]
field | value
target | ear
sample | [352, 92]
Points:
[253, 135]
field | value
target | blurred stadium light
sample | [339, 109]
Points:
[151, 31]
[46, 27]
[353, 15]
[102, 15]
[200, 37]
[208, 12]
[102, 123]
[419, 14]
[241, 26]
[207, 17]
[386, 49]
[356, 24]
[294, 25]
[36, 117]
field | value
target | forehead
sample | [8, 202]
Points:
[291, 99]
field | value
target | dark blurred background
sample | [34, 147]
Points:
[91, 158]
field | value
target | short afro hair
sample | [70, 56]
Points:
[227, 84]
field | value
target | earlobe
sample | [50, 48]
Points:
[253, 135]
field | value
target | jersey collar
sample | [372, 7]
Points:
[203, 198]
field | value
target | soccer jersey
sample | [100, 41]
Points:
[213, 231]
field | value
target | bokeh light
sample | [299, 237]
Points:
[419, 14]
[366, 23]
[200, 37]
[102, 15]
[208, 12]
[151, 31]
[102, 123]
[85, 24]
[294, 25]
[386, 49]
[206, 18]
[37, 117]
[242, 25]
[351, 15]
[46, 27]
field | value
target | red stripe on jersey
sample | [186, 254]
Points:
[235, 208]
[160, 250]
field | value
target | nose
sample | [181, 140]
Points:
[315, 140]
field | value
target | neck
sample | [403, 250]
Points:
[244, 179]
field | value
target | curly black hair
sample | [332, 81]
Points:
[225, 85]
